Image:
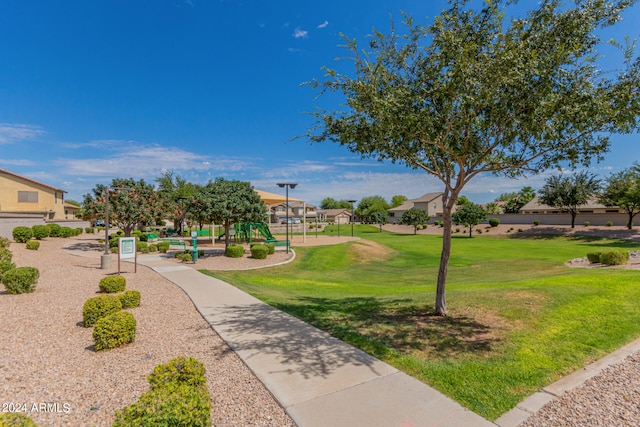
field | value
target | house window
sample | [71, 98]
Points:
[392, 214]
[27, 197]
[280, 209]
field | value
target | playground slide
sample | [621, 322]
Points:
[264, 230]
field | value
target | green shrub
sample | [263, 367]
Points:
[5, 254]
[609, 224]
[4, 242]
[494, 222]
[594, 257]
[614, 257]
[16, 419]
[54, 230]
[89, 230]
[130, 299]
[153, 247]
[98, 307]
[457, 229]
[479, 231]
[271, 247]
[40, 231]
[114, 250]
[65, 232]
[180, 370]
[5, 266]
[20, 280]
[184, 257]
[163, 247]
[235, 251]
[77, 231]
[112, 284]
[140, 245]
[259, 252]
[22, 234]
[587, 223]
[178, 397]
[519, 230]
[114, 330]
[536, 222]
[33, 245]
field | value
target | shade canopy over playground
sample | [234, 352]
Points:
[272, 198]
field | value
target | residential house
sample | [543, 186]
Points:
[431, 203]
[592, 206]
[278, 211]
[342, 216]
[28, 197]
[70, 211]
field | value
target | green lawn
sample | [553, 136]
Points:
[519, 319]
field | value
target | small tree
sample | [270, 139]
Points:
[623, 190]
[471, 215]
[380, 218]
[415, 217]
[369, 205]
[569, 193]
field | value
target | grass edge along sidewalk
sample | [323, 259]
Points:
[520, 319]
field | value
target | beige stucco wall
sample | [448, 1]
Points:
[48, 198]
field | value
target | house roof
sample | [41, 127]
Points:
[425, 198]
[6, 172]
[272, 198]
[535, 204]
[334, 212]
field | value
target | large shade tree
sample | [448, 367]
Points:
[228, 202]
[369, 205]
[569, 193]
[623, 190]
[176, 193]
[131, 203]
[476, 91]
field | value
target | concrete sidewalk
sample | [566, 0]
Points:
[319, 380]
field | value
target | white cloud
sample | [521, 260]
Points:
[16, 162]
[300, 33]
[13, 132]
[324, 24]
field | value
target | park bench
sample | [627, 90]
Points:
[175, 242]
[152, 237]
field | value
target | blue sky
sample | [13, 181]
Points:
[95, 90]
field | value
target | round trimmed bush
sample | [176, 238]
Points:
[271, 247]
[594, 257]
[130, 299]
[235, 251]
[98, 307]
[5, 265]
[66, 232]
[179, 370]
[614, 257]
[54, 230]
[153, 247]
[20, 280]
[140, 246]
[16, 419]
[4, 242]
[22, 234]
[33, 245]
[163, 247]
[587, 223]
[112, 284]
[89, 230]
[5, 254]
[494, 222]
[114, 330]
[609, 224]
[77, 231]
[536, 222]
[259, 252]
[40, 232]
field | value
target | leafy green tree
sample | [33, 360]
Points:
[478, 92]
[569, 193]
[380, 218]
[330, 203]
[515, 201]
[463, 200]
[397, 200]
[623, 190]
[369, 205]
[471, 215]
[229, 202]
[494, 208]
[131, 203]
[415, 217]
[177, 194]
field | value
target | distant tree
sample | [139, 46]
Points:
[463, 200]
[131, 203]
[479, 91]
[369, 205]
[73, 202]
[380, 218]
[228, 203]
[569, 193]
[331, 203]
[415, 217]
[623, 190]
[494, 208]
[505, 197]
[397, 200]
[515, 201]
[177, 194]
[470, 215]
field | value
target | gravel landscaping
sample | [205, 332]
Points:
[50, 370]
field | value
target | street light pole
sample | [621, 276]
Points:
[351, 219]
[287, 185]
[105, 259]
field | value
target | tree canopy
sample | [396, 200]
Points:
[476, 91]
[470, 215]
[397, 200]
[331, 203]
[369, 205]
[569, 193]
[415, 217]
[623, 190]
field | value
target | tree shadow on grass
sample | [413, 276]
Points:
[380, 326]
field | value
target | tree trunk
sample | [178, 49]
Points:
[573, 219]
[441, 301]
[227, 227]
[470, 231]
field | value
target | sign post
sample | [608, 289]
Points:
[194, 242]
[127, 249]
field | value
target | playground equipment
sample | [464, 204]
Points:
[244, 232]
